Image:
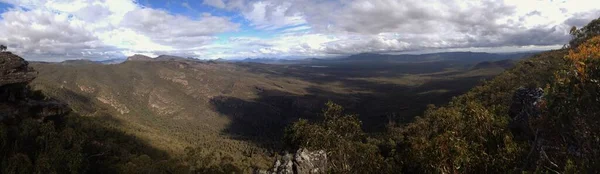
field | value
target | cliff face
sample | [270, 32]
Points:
[14, 70]
[17, 101]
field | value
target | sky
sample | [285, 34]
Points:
[56, 30]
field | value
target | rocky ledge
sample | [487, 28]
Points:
[14, 70]
[17, 101]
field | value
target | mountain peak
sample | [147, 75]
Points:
[169, 57]
[139, 57]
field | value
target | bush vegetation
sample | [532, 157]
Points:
[341, 136]
[70, 143]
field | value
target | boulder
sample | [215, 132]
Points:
[284, 165]
[310, 162]
[524, 107]
[302, 162]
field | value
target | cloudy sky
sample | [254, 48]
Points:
[55, 30]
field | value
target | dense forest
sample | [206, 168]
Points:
[538, 116]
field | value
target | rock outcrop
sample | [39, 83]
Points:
[527, 125]
[17, 101]
[302, 162]
[524, 107]
[14, 70]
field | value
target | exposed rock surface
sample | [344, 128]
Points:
[14, 70]
[16, 100]
[302, 162]
[524, 107]
[525, 125]
[110, 100]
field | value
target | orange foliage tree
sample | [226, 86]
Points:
[572, 110]
[584, 55]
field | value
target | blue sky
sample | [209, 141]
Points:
[232, 29]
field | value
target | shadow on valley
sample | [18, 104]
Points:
[263, 120]
[323, 72]
[377, 104]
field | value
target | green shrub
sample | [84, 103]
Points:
[341, 136]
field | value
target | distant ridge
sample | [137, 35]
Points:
[444, 56]
[78, 62]
[139, 57]
[112, 61]
[170, 58]
[88, 62]
[505, 64]
[465, 57]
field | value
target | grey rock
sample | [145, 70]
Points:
[302, 162]
[310, 162]
[524, 107]
[284, 165]
[17, 101]
[14, 70]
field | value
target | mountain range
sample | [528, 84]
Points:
[469, 57]
[234, 107]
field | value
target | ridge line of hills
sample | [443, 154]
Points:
[441, 56]
[236, 108]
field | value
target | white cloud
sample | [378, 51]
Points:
[357, 26]
[175, 30]
[62, 29]
[104, 28]
[263, 15]
[214, 3]
[268, 16]
[39, 32]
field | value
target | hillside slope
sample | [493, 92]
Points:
[39, 134]
[241, 109]
[470, 134]
[472, 130]
[170, 104]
